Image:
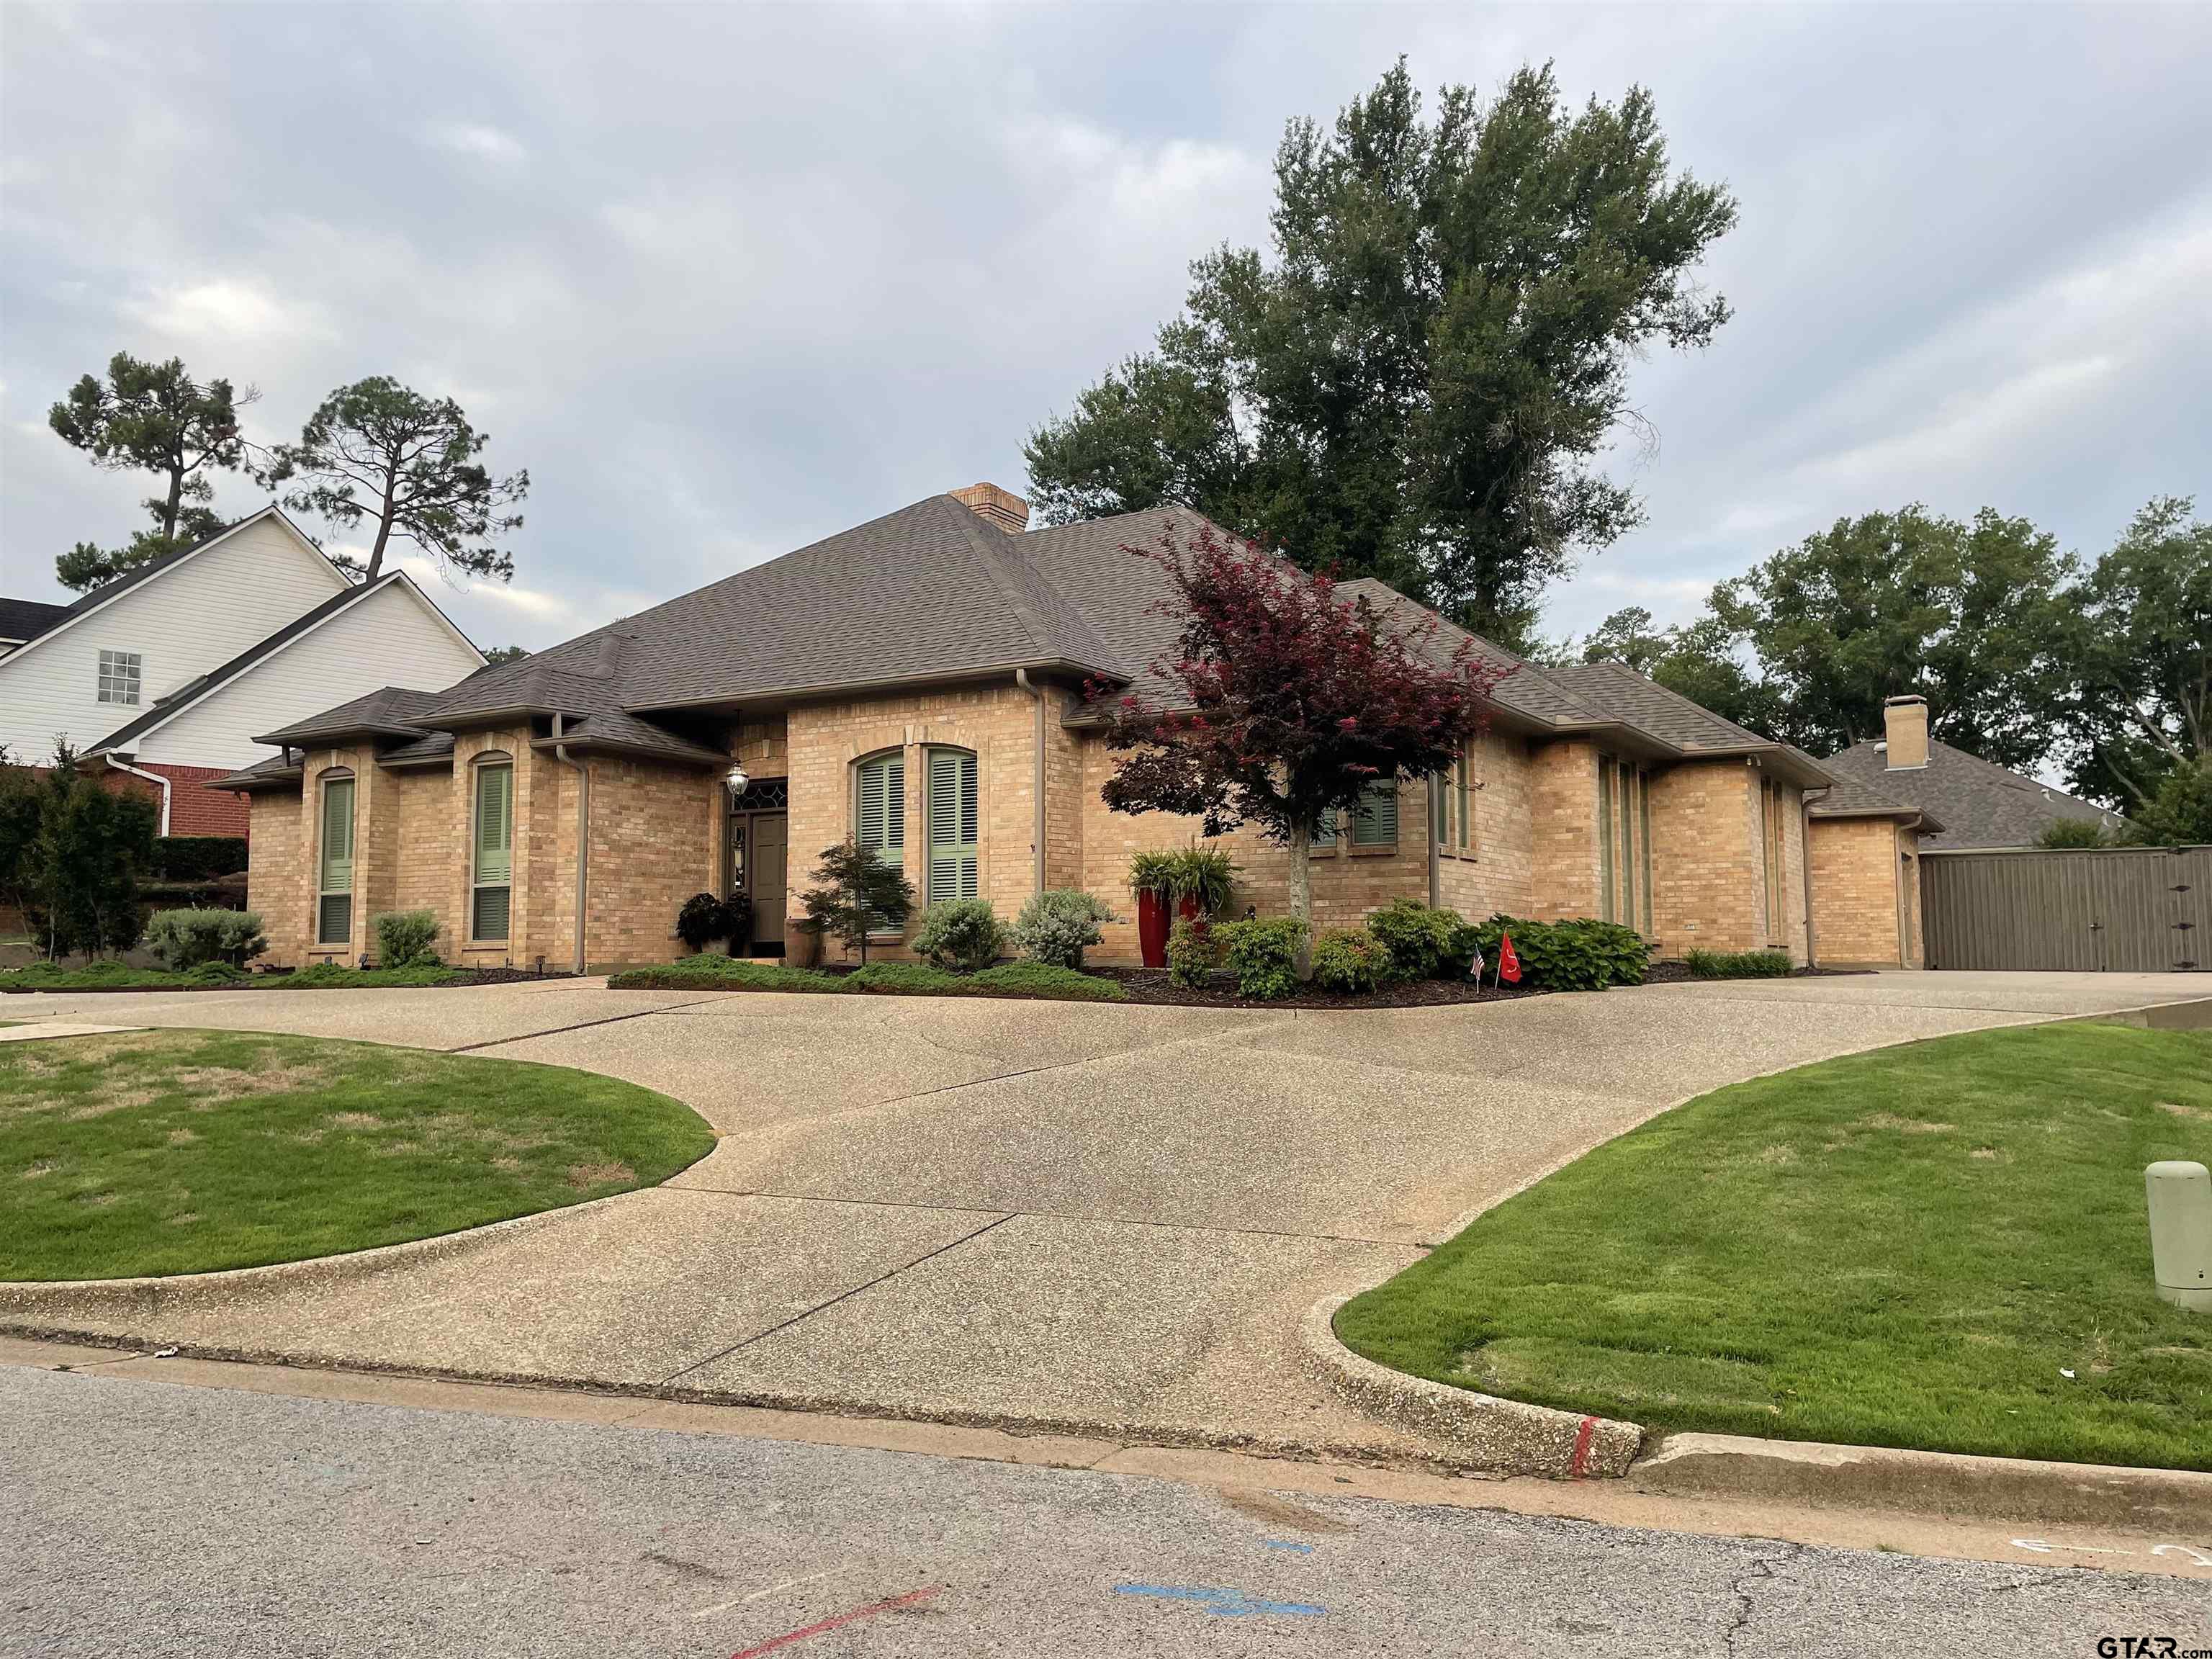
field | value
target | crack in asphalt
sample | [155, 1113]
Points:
[1762, 1570]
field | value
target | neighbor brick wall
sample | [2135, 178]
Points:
[1856, 891]
[194, 809]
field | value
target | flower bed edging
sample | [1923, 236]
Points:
[1501, 1436]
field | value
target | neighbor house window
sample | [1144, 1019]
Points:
[951, 812]
[879, 808]
[120, 675]
[491, 884]
[1375, 819]
[334, 884]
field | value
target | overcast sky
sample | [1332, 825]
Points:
[726, 279]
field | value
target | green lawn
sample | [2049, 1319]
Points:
[1908, 1247]
[181, 1151]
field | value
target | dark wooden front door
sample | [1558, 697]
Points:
[767, 882]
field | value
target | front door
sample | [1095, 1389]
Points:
[766, 882]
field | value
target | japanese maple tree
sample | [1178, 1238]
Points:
[1285, 698]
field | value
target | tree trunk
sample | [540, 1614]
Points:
[383, 535]
[1302, 894]
[175, 502]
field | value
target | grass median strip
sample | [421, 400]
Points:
[1941, 1246]
[157, 1152]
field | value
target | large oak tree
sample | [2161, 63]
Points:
[1416, 382]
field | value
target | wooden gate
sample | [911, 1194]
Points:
[2123, 910]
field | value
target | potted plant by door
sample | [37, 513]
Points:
[1152, 879]
[1200, 881]
[802, 943]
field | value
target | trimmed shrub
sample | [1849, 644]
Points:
[1263, 955]
[218, 973]
[1037, 979]
[960, 934]
[716, 972]
[330, 976]
[1576, 955]
[406, 939]
[909, 978]
[1422, 943]
[1739, 964]
[1350, 959]
[185, 939]
[1190, 954]
[197, 857]
[1058, 925]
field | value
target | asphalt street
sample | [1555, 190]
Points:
[144, 1519]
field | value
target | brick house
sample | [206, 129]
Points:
[917, 681]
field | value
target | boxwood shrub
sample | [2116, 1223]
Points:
[1263, 954]
[1350, 959]
[1579, 954]
[1739, 964]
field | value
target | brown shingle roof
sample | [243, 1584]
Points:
[1980, 805]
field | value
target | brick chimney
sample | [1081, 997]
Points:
[1002, 508]
[1904, 725]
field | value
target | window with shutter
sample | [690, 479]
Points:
[1643, 816]
[1605, 837]
[334, 887]
[952, 825]
[879, 809]
[492, 888]
[1462, 800]
[1375, 820]
[1324, 834]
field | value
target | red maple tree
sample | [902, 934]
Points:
[1285, 698]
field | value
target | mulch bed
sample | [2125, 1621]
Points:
[1153, 985]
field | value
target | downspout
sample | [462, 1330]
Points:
[1805, 858]
[1036, 786]
[583, 834]
[154, 778]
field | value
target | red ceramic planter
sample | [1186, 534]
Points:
[1153, 929]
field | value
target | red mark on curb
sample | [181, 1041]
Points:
[843, 1618]
[1583, 1436]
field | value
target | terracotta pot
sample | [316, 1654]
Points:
[1153, 929]
[802, 948]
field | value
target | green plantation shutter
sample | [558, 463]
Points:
[951, 825]
[334, 907]
[1644, 815]
[1605, 838]
[494, 852]
[881, 809]
[1460, 800]
[1375, 823]
[1324, 833]
[494, 825]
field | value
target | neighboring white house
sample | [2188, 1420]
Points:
[167, 674]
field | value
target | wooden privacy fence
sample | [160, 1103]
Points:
[2125, 909]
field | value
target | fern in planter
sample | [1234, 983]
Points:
[1202, 877]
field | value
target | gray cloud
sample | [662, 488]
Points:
[725, 279]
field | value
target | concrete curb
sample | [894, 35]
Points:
[1503, 1436]
[2009, 1489]
[237, 1285]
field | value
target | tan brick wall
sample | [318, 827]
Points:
[1563, 831]
[1707, 873]
[1856, 891]
[276, 875]
[1496, 870]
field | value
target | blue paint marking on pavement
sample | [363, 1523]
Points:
[1286, 1544]
[1234, 1604]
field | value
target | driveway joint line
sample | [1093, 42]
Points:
[842, 1296]
[1042, 1215]
[580, 1026]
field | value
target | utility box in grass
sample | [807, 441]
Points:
[2180, 1196]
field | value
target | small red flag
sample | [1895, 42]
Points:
[1509, 963]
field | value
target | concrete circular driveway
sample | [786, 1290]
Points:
[1051, 1214]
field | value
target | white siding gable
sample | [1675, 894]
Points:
[392, 637]
[181, 622]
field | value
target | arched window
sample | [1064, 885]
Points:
[334, 867]
[879, 805]
[491, 865]
[952, 806]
